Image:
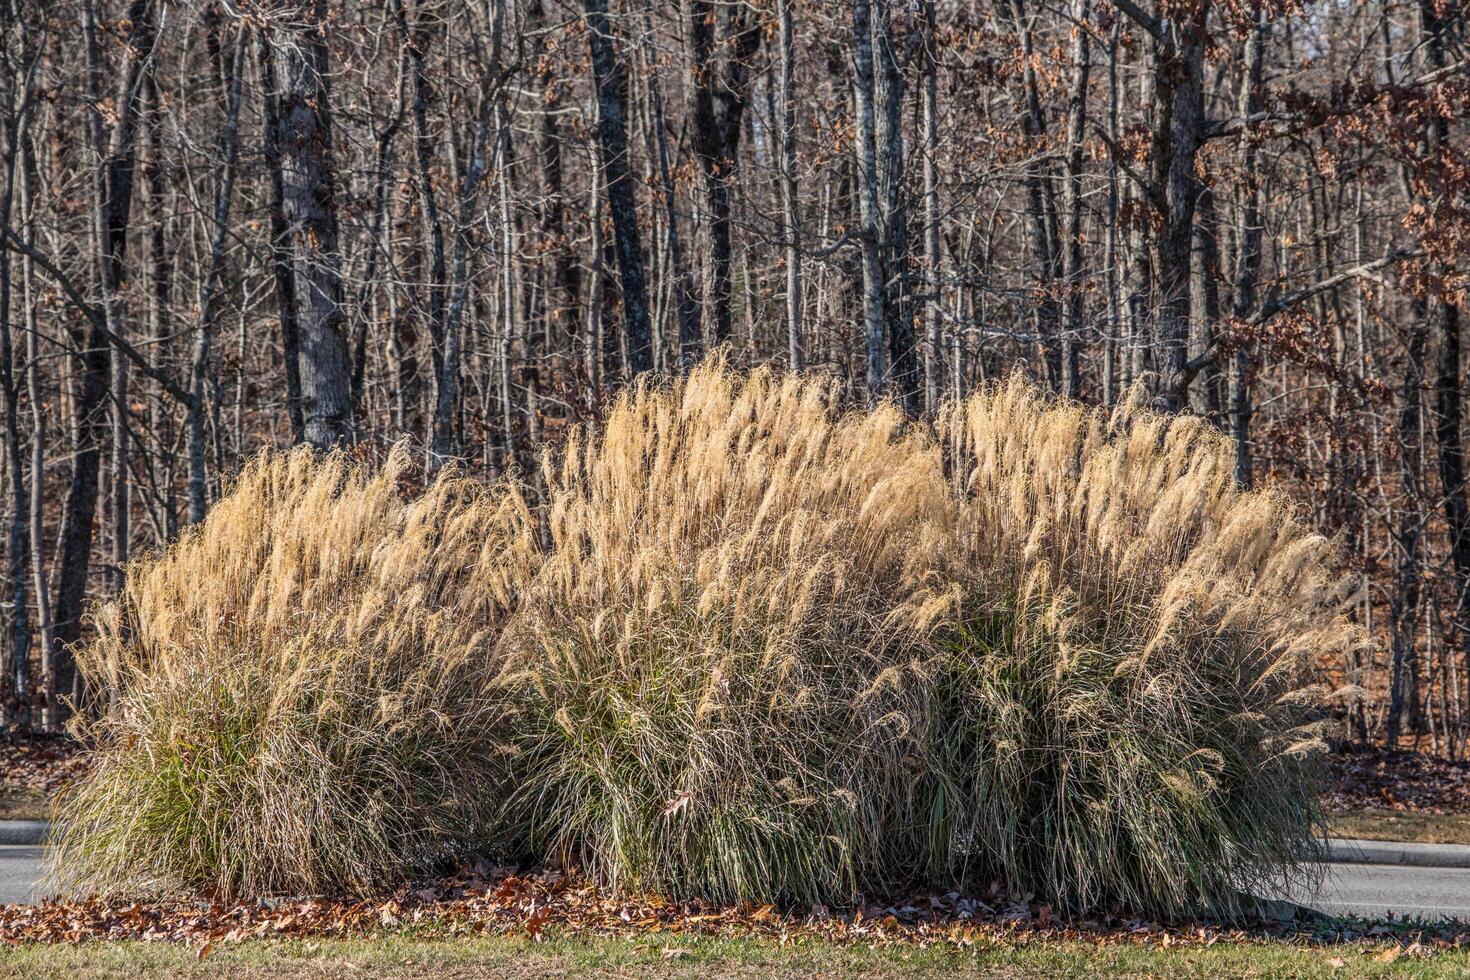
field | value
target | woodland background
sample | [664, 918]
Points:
[231, 224]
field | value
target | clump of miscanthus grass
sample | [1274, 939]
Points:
[715, 650]
[770, 649]
[297, 695]
[1127, 704]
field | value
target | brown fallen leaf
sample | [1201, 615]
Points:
[537, 922]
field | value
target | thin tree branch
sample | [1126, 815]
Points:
[1282, 303]
[97, 317]
[1143, 19]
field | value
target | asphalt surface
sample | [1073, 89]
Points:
[1375, 891]
[20, 869]
[1368, 890]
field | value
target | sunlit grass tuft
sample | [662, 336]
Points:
[1129, 711]
[715, 648]
[297, 693]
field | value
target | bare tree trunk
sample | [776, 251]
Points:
[442, 438]
[1437, 32]
[705, 138]
[933, 257]
[871, 243]
[1449, 436]
[120, 497]
[113, 190]
[612, 136]
[1045, 249]
[1247, 258]
[36, 497]
[1111, 253]
[595, 321]
[565, 306]
[1177, 131]
[308, 179]
[1180, 128]
[1072, 201]
[229, 145]
[366, 307]
[905, 380]
[14, 702]
[281, 263]
[1204, 292]
[790, 209]
[718, 95]
[160, 416]
[508, 326]
[686, 307]
[1404, 604]
[470, 174]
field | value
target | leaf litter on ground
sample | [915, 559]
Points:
[1364, 778]
[41, 762]
[483, 899]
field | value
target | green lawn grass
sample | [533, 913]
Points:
[404, 955]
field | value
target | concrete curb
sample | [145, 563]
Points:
[31, 832]
[1342, 851]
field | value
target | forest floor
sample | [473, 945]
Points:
[1406, 826]
[1403, 796]
[32, 770]
[23, 803]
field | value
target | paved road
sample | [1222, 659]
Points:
[1376, 890]
[20, 867]
[1350, 889]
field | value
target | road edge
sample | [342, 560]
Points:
[1350, 851]
[24, 832]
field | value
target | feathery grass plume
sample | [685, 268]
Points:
[296, 695]
[1127, 712]
[711, 659]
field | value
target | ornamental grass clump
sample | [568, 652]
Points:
[1128, 711]
[295, 696]
[782, 651]
[715, 651]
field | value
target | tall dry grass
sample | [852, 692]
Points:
[773, 649]
[709, 643]
[298, 692]
[1131, 712]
